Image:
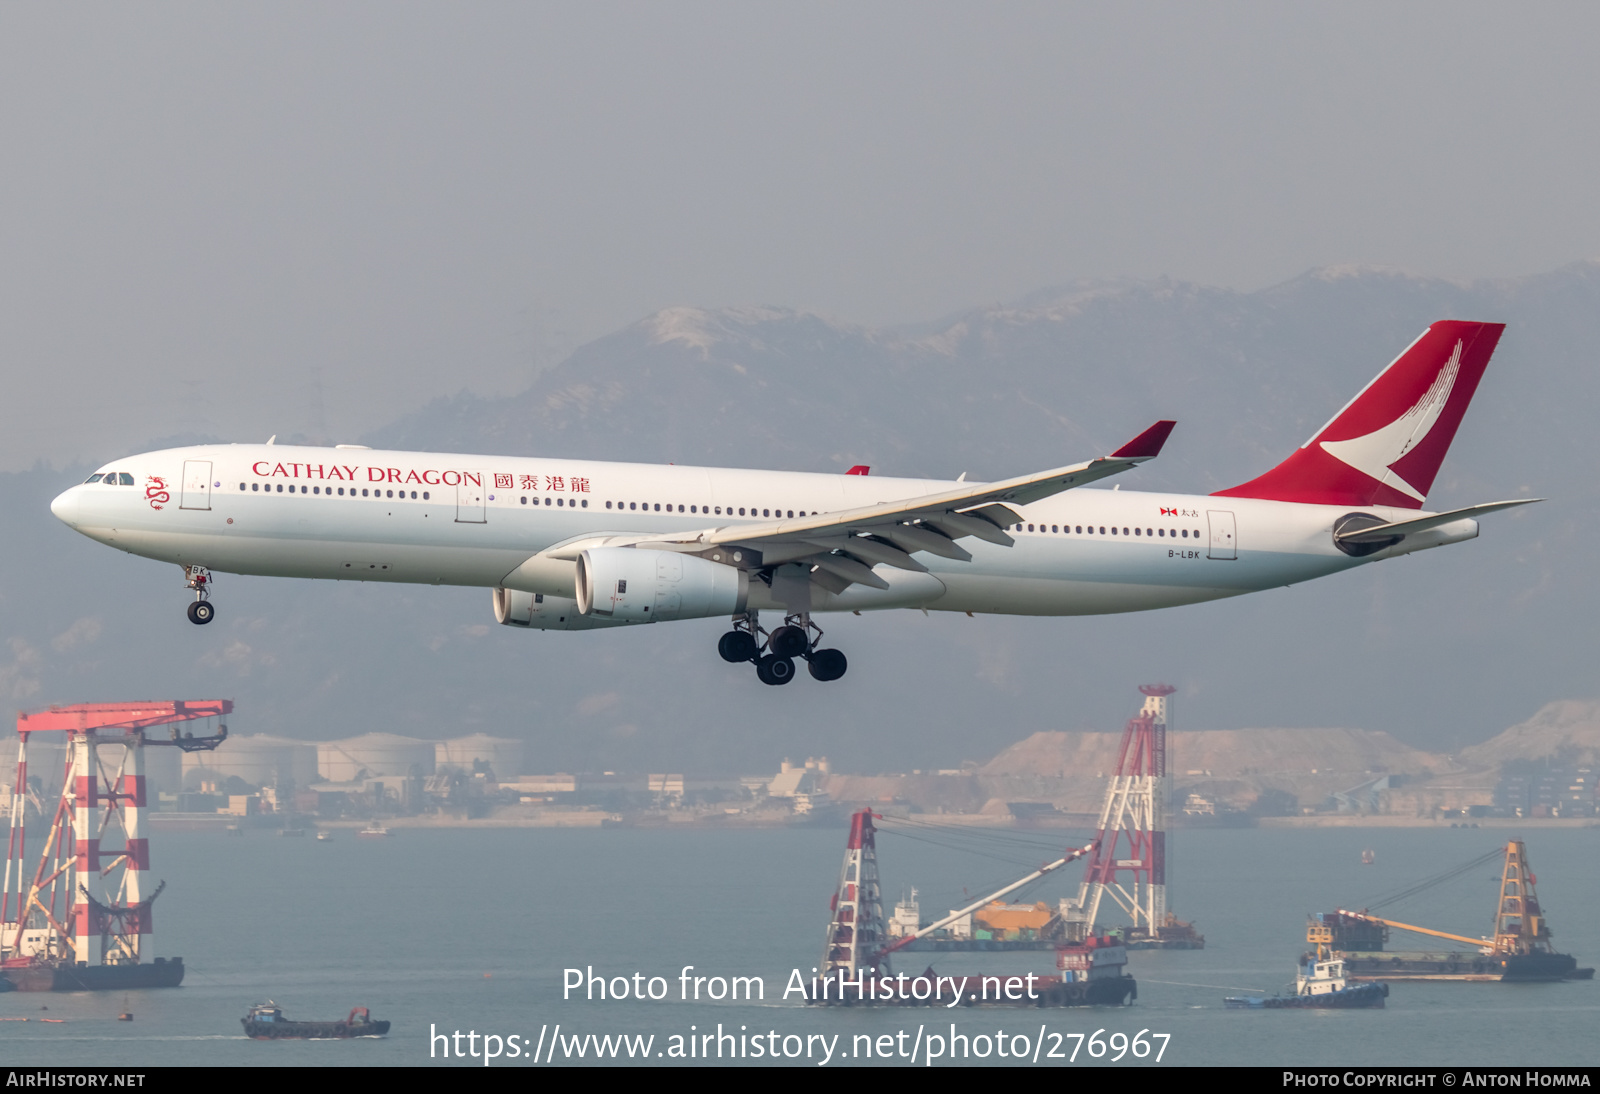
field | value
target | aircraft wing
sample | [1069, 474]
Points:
[842, 547]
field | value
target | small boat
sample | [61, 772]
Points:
[266, 1022]
[373, 831]
[1321, 984]
[1368, 857]
[324, 835]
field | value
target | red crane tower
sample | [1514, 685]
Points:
[101, 893]
[1135, 810]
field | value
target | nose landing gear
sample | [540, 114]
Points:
[798, 637]
[199, 579]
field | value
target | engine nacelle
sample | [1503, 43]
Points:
[629, 585]
[536, 611]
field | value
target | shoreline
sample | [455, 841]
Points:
[590, 819]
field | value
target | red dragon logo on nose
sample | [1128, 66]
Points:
[156, 491]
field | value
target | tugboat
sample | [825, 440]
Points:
[1320, 984]
[266, 1022]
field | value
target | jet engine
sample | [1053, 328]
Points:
[543, 613]
[629, 585]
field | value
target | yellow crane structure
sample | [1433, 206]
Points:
[1520, 949]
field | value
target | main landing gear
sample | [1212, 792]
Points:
[200, 611]
[795, 639]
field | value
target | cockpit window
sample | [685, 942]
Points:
[125, 478]
[92, 478]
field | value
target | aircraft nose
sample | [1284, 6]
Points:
[65, 506]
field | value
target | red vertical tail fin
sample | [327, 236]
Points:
[1386, 445]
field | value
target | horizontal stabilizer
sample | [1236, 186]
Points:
[1378, 533]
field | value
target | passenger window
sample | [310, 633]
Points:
[719, 511]
[1030, 527]
[524, 499]
[586, 503]
[255, 486]
[1136, 531]
[692, 509]
[741, 510]
[608, 505]
[658, 507]
[1053, 528]
[791, 512]
[92, 478]
[1080, 529]
[363, 491]
[413, 495]
[1113, 529]
[316, 489]
[1186, 533]
[547, 501]
[631, 505]
[561, 501]
[1102, 529]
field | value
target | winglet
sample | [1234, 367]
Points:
[1146, 445]
[858, 469]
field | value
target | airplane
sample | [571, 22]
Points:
[571, 545]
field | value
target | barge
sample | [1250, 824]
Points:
[855, 968]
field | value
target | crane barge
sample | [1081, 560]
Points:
[1520, 950]
[855, 969]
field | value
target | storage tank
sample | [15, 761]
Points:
[260, 760]
[373, 754]
[502, 754]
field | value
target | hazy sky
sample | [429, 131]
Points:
[248, 219]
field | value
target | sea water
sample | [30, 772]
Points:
[474, 931]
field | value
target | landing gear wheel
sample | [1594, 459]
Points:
[774, 670]
[737, 646]
[828, 664]
[789, 641]
[201, 612]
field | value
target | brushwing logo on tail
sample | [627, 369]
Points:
[1376, 453]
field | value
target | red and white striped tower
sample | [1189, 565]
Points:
[88, 930]
[130, 799]
[857, 932]
[1135, 809]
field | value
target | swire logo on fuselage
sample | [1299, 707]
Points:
[266, 469]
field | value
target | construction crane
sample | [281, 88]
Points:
[1323, 936]
[84, 919]
[906, 940]
[1519, 925]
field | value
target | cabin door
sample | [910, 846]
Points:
[1223, 540]
[472, 505]
[196, 485]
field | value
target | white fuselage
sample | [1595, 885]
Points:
[444, 519]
